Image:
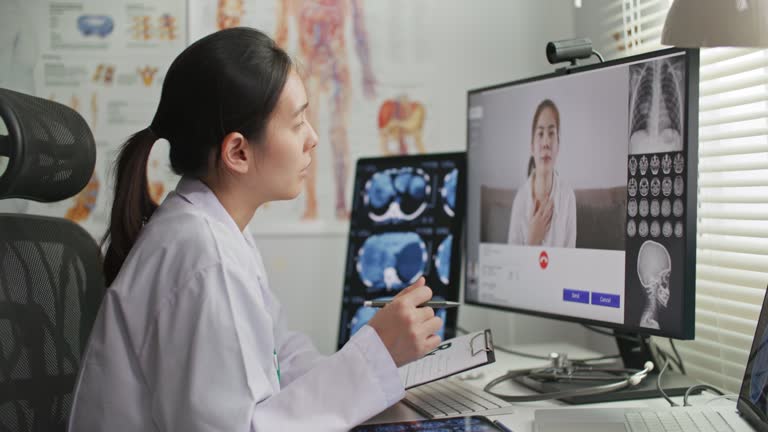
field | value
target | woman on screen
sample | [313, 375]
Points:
[544, 209]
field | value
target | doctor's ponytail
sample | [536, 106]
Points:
[132, 205]
[229, 81]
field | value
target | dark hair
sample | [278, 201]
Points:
[546, 103]
[229, 81]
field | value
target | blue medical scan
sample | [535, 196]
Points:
[99, 25]
[364, 314]
[397, 194]
[443, 260]
[391, 261]
[448, 192]
[465, 424]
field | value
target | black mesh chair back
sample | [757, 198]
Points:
[51, 283]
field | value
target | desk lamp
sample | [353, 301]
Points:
[716, 23]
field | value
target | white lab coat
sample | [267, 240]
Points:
[562, 230]
[186, 337]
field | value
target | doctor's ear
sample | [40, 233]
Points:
[235, 152]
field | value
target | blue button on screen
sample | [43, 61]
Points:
[610, 300]
[576, 296]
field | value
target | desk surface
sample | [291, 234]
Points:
[521, 415]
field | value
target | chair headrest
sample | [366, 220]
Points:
[50, 149]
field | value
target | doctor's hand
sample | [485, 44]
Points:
[406, 330]
[539, 225]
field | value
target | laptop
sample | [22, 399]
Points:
[751, 412]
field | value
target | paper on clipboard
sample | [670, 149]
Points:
[451, 357]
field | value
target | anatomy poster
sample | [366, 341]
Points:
[107, 61]
[364, 66]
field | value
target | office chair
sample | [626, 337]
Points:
[51, 283]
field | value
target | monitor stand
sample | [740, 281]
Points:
[635, 351]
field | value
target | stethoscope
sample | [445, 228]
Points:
[563, 370]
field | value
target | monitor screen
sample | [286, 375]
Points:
[753, 397]
[406, 222]
[582, 194]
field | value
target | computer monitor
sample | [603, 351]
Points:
[406, 222]
[582, 194]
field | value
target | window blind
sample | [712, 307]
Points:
[732, 226]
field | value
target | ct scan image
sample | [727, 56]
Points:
[397, 194]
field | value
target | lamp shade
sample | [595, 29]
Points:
[715, 23]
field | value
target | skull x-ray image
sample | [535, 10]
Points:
[654, 267]
[632, 165]
[391, 261]
[448, 192]
[656, 91]
[443, 260]
[397, 194]
[666, 164]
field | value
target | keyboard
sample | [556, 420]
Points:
[453, 398]
[676, 420]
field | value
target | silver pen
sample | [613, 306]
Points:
[432, 304]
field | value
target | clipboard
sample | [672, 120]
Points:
[451, 357]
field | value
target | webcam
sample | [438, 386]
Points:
[570, 50]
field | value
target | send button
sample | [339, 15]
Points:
[610, 300]
[570, 295]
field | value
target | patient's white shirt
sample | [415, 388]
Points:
[562, 230]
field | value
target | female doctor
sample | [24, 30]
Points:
[189, 336]
[544, 209]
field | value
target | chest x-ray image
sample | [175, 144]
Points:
[654, 267]
[397, 194]
[656, 95]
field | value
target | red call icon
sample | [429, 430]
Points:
[543, 260]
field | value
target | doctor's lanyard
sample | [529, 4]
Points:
[276, 363]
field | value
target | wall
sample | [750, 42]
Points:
[473, 44]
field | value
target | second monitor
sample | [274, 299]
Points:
[407, 219]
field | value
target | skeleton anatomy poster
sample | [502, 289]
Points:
[364, 69]
[365, 66]
[104, 59]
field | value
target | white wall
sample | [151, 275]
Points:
[473, 44]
